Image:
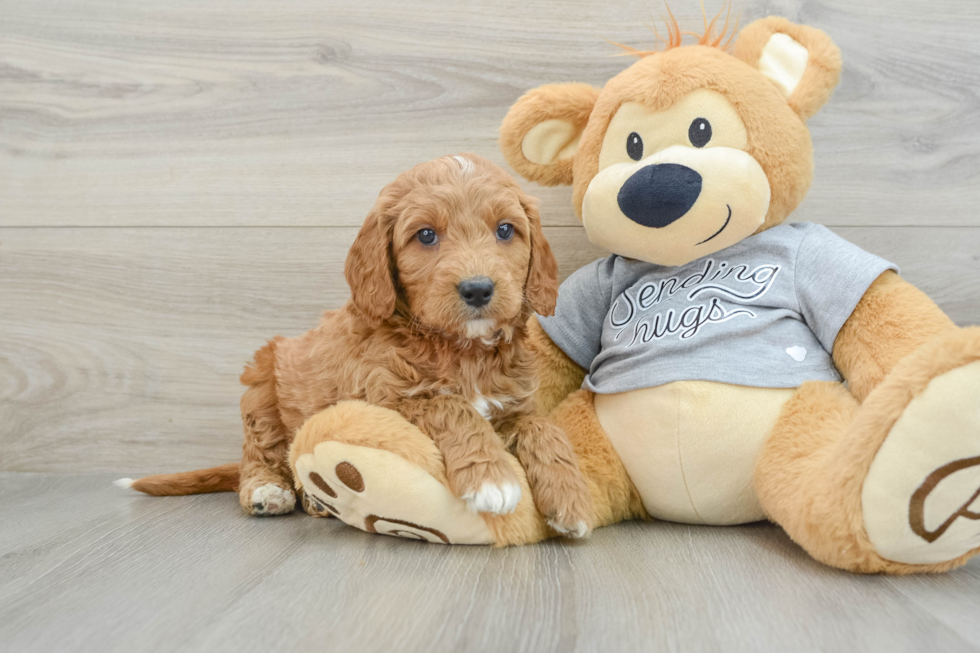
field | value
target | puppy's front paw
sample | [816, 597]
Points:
[576, 531]
[270, 499]
[497, 499]
[563, 497]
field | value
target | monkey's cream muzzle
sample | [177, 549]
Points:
[676, 205]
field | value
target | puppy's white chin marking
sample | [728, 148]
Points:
[480, 328]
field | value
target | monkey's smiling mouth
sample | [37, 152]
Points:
[727, 220]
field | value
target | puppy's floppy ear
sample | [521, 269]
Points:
[540, 134]
[368, 268]
[541, 288]
[801, 61]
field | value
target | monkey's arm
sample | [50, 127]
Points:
[557, 374]
[893, 319]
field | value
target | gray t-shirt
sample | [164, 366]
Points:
[764, 313]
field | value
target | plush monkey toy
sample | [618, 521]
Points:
[699, 370]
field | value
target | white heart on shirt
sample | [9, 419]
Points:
[796, 353]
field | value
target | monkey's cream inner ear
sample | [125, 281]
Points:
[783, 61]
[551, 141]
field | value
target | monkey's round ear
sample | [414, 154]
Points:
[540, 134]
[801, 61]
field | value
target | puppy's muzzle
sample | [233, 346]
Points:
[659, 194]
[476, 291]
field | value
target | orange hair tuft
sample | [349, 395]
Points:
[675, 36]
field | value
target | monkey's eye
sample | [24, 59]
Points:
[427, 236]
[634, 146]
[505, 231]
[699, 132]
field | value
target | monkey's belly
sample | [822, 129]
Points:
[690, 447]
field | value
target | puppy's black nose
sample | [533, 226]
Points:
[656, 195]
[476, 291]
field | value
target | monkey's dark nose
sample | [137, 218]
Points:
[659, 194]
[477, 291]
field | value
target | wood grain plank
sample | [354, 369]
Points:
[121, 348]
[116, 571]
[108, 568]
[948, 599]
[241, 113]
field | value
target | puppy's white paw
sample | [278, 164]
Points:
[270, 499]
[495, 499]
[577, 531]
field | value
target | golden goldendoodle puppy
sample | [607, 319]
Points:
[448, 267]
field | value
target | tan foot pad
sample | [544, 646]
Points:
[380, 492]
[921, 498]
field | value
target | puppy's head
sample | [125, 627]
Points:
[456, 245]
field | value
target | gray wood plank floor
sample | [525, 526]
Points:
[181, 180]
[84, 568]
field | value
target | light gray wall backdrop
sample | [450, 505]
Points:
[181, 180]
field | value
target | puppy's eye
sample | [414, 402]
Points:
[505, 231]
[427, 236]
[699, 132]
[634, 146]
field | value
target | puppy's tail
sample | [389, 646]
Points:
[223, 478]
